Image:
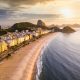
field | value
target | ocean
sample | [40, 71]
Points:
[60, 59]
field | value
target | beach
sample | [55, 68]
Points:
[21, 64]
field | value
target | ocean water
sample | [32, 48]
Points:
[60, 60]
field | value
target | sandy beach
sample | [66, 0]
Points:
[21, 64]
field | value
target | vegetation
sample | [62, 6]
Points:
[22, 26]
[3, 31]
[25, 26]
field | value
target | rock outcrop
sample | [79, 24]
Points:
[68, 29]
[56, 29]
[40, 23]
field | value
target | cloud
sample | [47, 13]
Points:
[16, 3]
[10, 7]
[33, 16]
[22, 10]
[4, 14]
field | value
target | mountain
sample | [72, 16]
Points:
[41, 24]
[27, 26]
[23, 26]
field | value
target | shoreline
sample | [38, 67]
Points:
[8, 69]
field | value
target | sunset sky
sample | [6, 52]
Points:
[50, 11]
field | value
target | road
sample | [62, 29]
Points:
[21, 64]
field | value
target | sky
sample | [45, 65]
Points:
[50, 11]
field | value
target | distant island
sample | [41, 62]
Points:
[68, 29]
[65, 29]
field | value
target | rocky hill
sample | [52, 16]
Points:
[27, 26]
[41, 24]
[56, 29]
[68, 29]
[23, 26]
